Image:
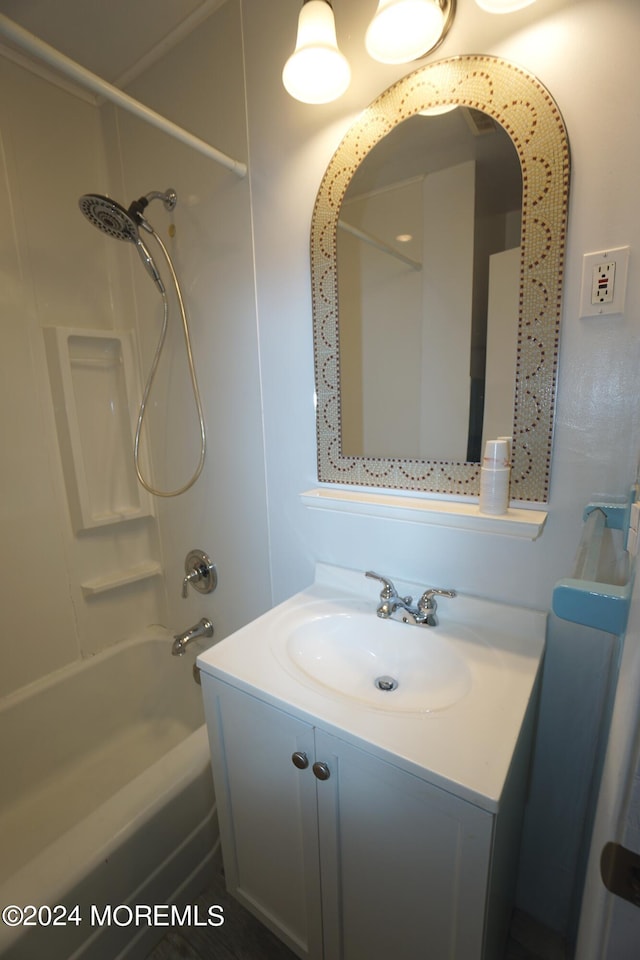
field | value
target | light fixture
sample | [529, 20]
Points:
[316, 71]
[503, 6]
[403, 30]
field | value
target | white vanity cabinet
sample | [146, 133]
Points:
[266, 813]
[345, 856]
[368, 822]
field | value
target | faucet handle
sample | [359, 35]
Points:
[200, 573]
[193, 577]
[427, 602]
[388, 589]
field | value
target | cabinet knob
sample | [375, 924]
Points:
[321, 771]
[300, 760]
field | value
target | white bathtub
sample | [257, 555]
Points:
[106, 798]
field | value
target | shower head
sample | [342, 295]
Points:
[112, 218]
[109, 216]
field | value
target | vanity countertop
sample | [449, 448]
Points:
[465, 748]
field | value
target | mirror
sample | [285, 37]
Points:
[437, 246]
[428, 238]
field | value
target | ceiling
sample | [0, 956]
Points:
[108, 37]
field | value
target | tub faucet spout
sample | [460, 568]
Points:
[204, 628]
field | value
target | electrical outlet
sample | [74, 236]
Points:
[604, 282]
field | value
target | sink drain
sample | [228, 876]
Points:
[386, 683]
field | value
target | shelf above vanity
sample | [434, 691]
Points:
[521, 522]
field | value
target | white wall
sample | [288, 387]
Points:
[596, 435]
[597, 425]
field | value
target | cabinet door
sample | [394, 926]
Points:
[404, 865]
[267, 813]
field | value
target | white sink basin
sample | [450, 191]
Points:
[464, 686]
[348, 651]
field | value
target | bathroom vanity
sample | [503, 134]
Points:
[361, 821]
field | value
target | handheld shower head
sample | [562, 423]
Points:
[112, 218]
[109, 216]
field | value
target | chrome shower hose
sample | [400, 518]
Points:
[152, 372]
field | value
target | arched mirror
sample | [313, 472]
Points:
[437, 250]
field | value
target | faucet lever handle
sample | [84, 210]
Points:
[388, 589]
[192, 577]
[426, 600]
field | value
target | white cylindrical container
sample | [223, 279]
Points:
[494, 477]
[508, 441]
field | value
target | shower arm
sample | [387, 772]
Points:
[169, 198]
[136, 209]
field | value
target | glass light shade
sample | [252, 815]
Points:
[503, 6]
[316, 71]
[403, 30]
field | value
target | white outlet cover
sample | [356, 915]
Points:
[617, 255]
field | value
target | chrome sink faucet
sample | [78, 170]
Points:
[421, 614]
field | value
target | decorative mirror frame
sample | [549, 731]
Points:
[524, 107]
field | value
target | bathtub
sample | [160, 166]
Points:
[106, 799]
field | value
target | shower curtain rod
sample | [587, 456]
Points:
[378, 244]
[49, 55]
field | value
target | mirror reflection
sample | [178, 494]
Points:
[428, 263]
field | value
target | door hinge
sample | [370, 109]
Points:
[620, 871]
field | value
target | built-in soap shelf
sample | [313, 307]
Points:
[96, 390]
[98, 585]
[598, 593]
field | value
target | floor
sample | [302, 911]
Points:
[242, 937]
